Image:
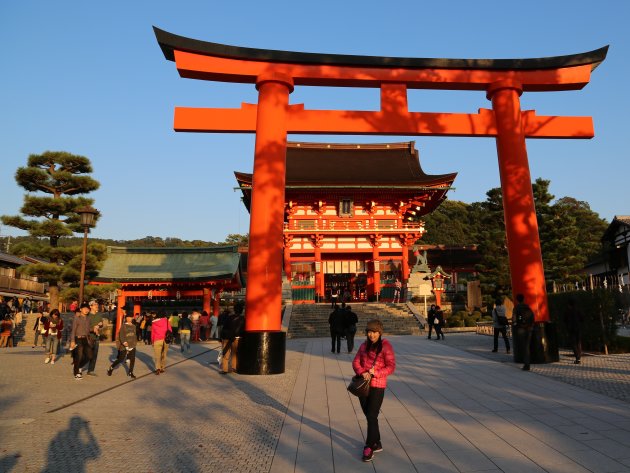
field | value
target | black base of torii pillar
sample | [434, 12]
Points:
[262, 352]
[543, 347]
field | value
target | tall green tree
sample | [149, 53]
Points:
[449, 225]
[494, 268]
[575, 233]
[63, 179]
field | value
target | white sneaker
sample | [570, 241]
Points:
[52, 362]
[47, 360]
[78, 376]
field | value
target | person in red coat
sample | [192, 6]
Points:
[375, 360]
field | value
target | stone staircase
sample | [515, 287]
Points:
[311, 320]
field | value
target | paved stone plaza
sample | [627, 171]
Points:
[452, 406]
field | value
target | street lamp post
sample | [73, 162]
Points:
[88, 217]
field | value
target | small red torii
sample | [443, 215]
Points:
[276, 73]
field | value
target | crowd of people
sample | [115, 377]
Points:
[12, 311]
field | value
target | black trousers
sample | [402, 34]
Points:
[92, 365]
[131, 356]
[81, 354]
[350, 339]
[438, 331]
[576, 343]
[336, 339]
[371, 406]
[430, 330]
[503, 332]
[528, 348]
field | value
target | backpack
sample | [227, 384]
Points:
[501, 319]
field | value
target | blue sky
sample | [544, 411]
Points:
[90, 79]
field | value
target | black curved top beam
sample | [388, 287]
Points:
[170, 42]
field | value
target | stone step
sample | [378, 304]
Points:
[311, 320]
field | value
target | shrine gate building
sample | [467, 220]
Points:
[167, 279]
[351, 215]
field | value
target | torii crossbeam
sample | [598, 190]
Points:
[276, 73]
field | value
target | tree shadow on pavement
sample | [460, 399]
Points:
[71, 449]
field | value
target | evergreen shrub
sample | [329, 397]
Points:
[600, 308]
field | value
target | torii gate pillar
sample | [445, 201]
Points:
[521, 225]
[263, 345]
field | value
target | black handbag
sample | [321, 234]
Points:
[359, 386]
[168, 337]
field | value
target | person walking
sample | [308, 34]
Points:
[174, 321]
[185, 329]
[195, 317]
[430, 319]
[79, 345]
[223, 316]
[334, 297]
[159, 328]
[95, 322]
[6, 327]
[573, 320]
[336, 322]
[54, 329]
[204, 326]
[231, 334]
[146, 330]
[438, 322]
[137, 321]
[350, 323]
[126, 341]
[499, 325]
[214, 320]
[397, 290]
[524, 318]
[375, 360]
[40, 330]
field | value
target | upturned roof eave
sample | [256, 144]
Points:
[170, 42]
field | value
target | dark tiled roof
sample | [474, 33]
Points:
[12, 259]
[391, 164]
[169, 264]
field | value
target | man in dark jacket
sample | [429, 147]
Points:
[230, 335]
[573, 320]
[431, 319]
[336, 322]
[524, 319]
[350, 324]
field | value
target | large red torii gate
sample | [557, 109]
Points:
[276, 73]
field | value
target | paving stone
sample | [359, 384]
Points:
[451, 406]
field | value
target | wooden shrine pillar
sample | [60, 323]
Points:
[376, 274]
[137, 307]
[216, 301]
[320, 292]
[263, 346]
[207, 293]
[120, 303]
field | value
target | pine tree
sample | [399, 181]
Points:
[63, 177]
[494, 268]
[448, 225]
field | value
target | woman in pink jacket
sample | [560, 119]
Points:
[375, 360]
[159, 327]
